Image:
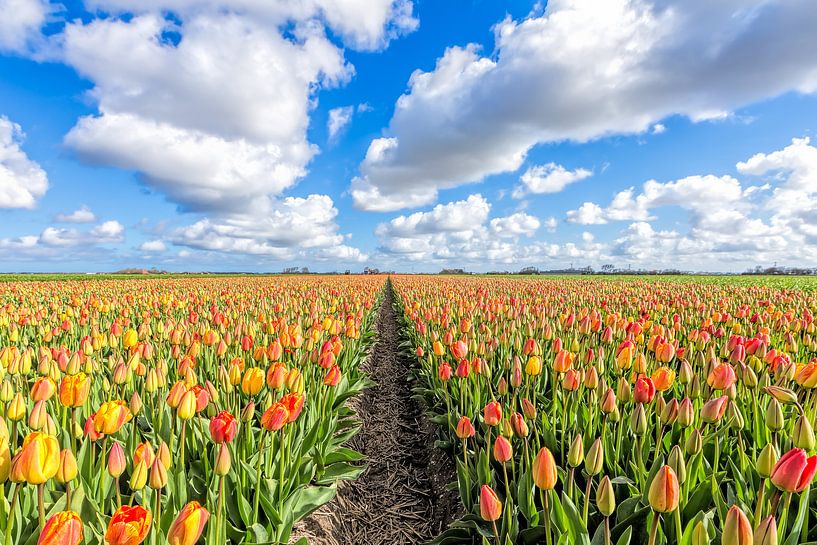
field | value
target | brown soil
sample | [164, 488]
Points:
[401, 498]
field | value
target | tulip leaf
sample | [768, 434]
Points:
[802, 511]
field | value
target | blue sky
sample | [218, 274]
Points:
[198, 134]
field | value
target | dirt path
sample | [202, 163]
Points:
[401, 497]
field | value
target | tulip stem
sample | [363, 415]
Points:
[41, 504]
[258, 478]
[546, 512]
[587, 498]
[759, 506]
[158, 512]
[496, 532]
[654, 528]
[606, 530]
[220, 508]
[784, 514]
[102, 472]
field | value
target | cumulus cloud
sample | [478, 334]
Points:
[20, 24]
[55, 242]
[22, 181]
[462, 233]
[549, 178]
[292, 227]
[83, 214]
[153, 246]
[579, 71]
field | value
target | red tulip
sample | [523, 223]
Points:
[793, 472]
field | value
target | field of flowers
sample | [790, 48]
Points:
[621, 411]
[179, 411]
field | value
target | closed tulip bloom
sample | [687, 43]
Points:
[736, 528]
[544, 470]
[223, 460]
[686, 413]
[783, 395]
[492, 413]
[116, 460]
[766, 532]
[17, 408]
[722, 377]
[534, 366]
[490, 508]
[714, 409]
[42, 389]
[275, 417]
[223, 427]
[176, 393]
[158, 474]
[333, 376]
[503, 451]
[766, 460]
[139, 477]
[187, 406]
[188, 525]
[664, 491]
[608, 401]
[67, 470]
[793, 472]
[605, 497]
[644, 390]
[464, 428]
[144, 451]
[699, 534]
[803, 433]
[128, 526]
[444, 372]
[594, 461]
[252, 382]
[64, 528]
[571, 380]
[520, 427]
[111, 416]
[459, 349]
[37, 460]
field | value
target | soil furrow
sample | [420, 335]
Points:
[401, 498]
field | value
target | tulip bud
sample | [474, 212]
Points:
[714, 409]
[694, 443]
[17, 408]
[766, 532]
[544, 470]
[139, 477]
[664, 491]
[594, 462]
[223, 460]
[686, 413]
[248, 412]
[774, 416]
[699, 534]
[135, 404]
[575, 455]
[158, 474]
[766, 460]
[803, 433]
[638, 420]
[677, 463]
[38, 418]
[116, 460]
[502, 450]
[163, 454]
[605, 497]
[490, 508]
[783, 395]
[736, 528]
[67, 470]
[669, 413]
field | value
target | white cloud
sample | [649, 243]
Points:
[460, 233]
[83, 214]
[283, 229]
[20, 24]
[551, 224]
[549, 178]
[658, 128]
[584, 70]
[22, 181]
[153, 246]
[339, 118]
[53, 242]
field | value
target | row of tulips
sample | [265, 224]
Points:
[206, 410]
[608, 411]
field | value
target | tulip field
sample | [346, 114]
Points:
[177, 411]
[212, 410]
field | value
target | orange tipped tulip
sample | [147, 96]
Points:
[736, 528]
[188, 525]
[490, 508]
[128, 526]
[502, 450]
[38, 460]
[492, 413]
[464, 428]
[64, 528]
[722, 377]
[644, 390]
[544, 469]
[714, 409]
[664, 491]
[275, 417]
[223, 427]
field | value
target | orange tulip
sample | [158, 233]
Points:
[722, 377]
[490, 508]
[714, 409]
[664, 492]
[111, 416]
[464, 428]
[736, 528]
[38, 460]
[128, 526]
[492, 413]
[544, 469]
[188, 525]
[275, 417]
[294, 402]
[644, 390]
[64, 528]
[223, 427]
[42, 389]
[662, 378]
[74, 390]
[502, 450]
